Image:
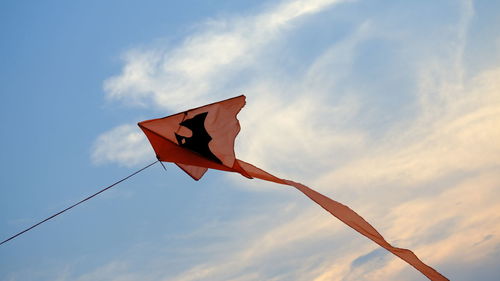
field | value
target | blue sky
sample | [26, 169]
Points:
[390, 108]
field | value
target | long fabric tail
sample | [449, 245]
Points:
[349, 217]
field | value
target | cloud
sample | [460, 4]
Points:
[460, 137]
[420, 164]
[206, 62]
[123, 144]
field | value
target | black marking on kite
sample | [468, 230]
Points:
[198, 142]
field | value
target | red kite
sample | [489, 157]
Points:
[203, 138]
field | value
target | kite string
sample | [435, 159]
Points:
[79, 202]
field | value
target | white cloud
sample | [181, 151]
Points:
[205, 62]
[124, 144]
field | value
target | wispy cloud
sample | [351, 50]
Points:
[124, 144]
[206, 62]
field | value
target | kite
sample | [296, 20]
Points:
[203, 138]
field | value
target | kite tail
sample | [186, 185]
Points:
[349, 217]
[355, 221]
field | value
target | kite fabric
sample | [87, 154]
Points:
[203, 138]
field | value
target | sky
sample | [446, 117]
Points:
[390, 107]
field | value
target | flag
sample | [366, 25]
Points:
[203, 138]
